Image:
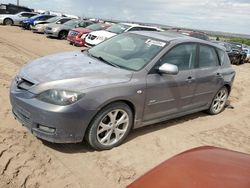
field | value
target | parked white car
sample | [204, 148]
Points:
[15, 19]
[97, 37]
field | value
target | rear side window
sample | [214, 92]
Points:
[221, 56]
[208, 57]
[27, 15]
[183, 56]
[64, 20]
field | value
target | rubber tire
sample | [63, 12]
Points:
[62, 34]
[10, 21]
[90, 135]
[210, 110]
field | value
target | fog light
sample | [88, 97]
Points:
[46, 129]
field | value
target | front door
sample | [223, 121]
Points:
[170, 94]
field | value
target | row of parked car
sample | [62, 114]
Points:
[88, 33]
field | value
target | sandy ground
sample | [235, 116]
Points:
[28, 162]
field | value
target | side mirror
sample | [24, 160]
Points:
[168, 69]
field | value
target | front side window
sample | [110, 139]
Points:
[208, 57]
[183, 56]
[129, 51]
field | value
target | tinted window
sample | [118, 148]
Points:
[64, 20]
[208, 57]
[95, 27]
[27, 15]
[222, 56]
[183, 56]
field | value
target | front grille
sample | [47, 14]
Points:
[73, 33]
[24, 84]
[91, 37]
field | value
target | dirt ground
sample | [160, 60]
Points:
[26, 161]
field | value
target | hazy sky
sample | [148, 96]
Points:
[218, 15]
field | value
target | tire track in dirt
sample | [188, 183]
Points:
[25, 162]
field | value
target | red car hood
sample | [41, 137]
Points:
[203, 167]
[82, 30]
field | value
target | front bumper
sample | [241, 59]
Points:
[1, 21]
[51, 33]
[68, 122]
[76, 42]
[26, 25]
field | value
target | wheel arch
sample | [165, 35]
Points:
[127, 102]
[63, 30]
[9, 19]
[228, 86]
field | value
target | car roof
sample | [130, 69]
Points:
[169, 36]
[137, 25]
[206, 167]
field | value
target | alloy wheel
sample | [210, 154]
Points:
[220, 100]
[112, 127]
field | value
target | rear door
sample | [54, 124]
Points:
[171, 94]
[208, 76]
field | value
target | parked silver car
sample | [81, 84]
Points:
[61, 30]
[40, 27]
[129, 81]
[15, 19]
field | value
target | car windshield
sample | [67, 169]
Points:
[71, 23]
[95, 27]
[53, 19]
[128, 51]
[118, 28]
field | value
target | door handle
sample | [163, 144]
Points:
[218, 74]
[190, 79]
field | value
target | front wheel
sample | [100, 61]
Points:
[63, 35]
[219, 101]
[110, 127]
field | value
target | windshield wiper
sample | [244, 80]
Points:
[104, 60]
[108, 62]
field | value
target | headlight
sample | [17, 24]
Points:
[83, 36]
[101, 38]
[60, 97]
[55, 29]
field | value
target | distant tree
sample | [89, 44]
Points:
[217, 38]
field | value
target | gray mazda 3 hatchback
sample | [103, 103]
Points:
[129, 81]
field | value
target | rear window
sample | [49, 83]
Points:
[208, 57]
[222, 56]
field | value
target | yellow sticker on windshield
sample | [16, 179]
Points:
[155, 42]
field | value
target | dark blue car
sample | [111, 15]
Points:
[30, 21]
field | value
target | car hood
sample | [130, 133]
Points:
[103, 33]
[73, 71]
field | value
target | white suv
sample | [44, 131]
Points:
[97, 37]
